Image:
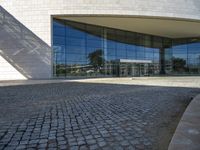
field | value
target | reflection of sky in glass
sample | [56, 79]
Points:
[189, 52]
[73, 42]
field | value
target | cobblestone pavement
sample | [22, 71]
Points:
[85, 116]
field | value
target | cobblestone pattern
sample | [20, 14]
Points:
[78, 116]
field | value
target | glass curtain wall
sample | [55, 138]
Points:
[78, 49]
[186, 56]
[82, 50]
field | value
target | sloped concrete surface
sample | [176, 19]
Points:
[187, 135]
[23, 53]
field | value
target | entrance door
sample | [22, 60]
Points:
[140, 70]
[126, 69]
[123, 70]
[133, 69]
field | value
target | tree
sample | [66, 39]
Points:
[96, 58]
[178, 64]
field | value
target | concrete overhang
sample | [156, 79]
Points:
[165, 27]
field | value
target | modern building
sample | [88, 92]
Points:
[42, 39]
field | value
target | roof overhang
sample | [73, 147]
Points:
[165, 27]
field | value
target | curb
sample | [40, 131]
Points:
[187, 134]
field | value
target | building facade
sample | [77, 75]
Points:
[43, 39]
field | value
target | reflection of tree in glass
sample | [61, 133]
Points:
[178, 64]
[96, 58]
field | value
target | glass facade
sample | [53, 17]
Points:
[94, 51]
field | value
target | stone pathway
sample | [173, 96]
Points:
[83, 116]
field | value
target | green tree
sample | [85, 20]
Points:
[96, 58]
[178, 64]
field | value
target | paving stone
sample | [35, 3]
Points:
[63, 147]
[83, 147]
[134, 142]
[74, 148]
[140, 147]
[82, 116]
[94, 147]
[124, 143]
[118, 147]
[9, 147]
[102, 143]
[43, 145]
[21, 147]
[81, 142]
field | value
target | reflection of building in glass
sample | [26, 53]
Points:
[88, 50]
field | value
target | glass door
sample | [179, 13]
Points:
[135, 70]
[139, 70]
[123, 70]
[146, 70]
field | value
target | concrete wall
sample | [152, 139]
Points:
[36, 16]
[187, 134]
[8, 72]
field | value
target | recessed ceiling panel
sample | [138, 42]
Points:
[155, 26]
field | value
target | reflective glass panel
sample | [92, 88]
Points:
[84, 50]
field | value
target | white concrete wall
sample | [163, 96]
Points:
[8, 72]
[36, 14]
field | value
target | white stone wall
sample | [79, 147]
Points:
[8, 72]
[36, 14]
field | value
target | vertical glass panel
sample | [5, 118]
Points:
[131, 47]
[131, 51]
[111, 42]
[180, 56]
[140, 54]
[94, 51]
[59, 48]
[194, 56]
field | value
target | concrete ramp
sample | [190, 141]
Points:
[22, 54]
